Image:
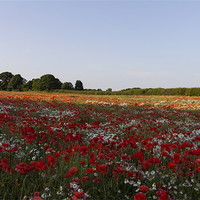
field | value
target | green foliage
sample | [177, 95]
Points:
[109, 90]
[4, 80]
[160, 91]
[49, 82]
[36, 86]
[16, 82]
[67, 86]
[194, 92]
[28, 86]
[46, 82]
[78, 85]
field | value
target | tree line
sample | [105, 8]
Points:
[47, 82]
[162, 91]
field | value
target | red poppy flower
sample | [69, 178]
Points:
[56, 154]
[90, 171]
[73, 170]
[146, 165]
[144, 188]
[36, 196]
[51, 161]
[140, 156]
[171, 165]
[140, 196]
[124, 157]
[129, 174]
[82, 162]
[83, 150]
[68, 175]
[4, 161]
[176, 157]
[102, 169]
[77, 195]
[86, 178]
[163, 194]
[96, 180]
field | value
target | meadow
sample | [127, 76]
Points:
[73, 146]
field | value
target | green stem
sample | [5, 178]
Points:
[23, 187]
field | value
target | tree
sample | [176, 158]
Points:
[109, 90]
[28, 86]
[16, 82]
[4, 80]
[46, 82]
[36, 85]
[67, 86]
[78, 85]
[49, 82]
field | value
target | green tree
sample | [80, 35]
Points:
[67, 86]
[36, 85]
[16, 82]
[78, 85]
[46, 82]
[4, 79]
[28, 86]
[109, 90]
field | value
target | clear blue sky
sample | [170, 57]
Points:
[105, 44]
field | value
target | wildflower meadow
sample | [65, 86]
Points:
[75, 147]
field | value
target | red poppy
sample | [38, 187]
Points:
[8, 169]
[56, 154]
[129, 174]
[144, 188]
[82, 162]
[140, 196]
[4, 161]
[146, 165]
[68, 175]
[51, 161]
[92, 158]
[124, 157]
[73, 170]
[83, 150]
[171, 165]
[165, 154]
[176, 157]
[77, 195]
[90, 171]
[76, 148]
[102, 169]
[86, 178]
[163, 194]
[140, 156]
[36, 196]
[96, 180]
[75, 180]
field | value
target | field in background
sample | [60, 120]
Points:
[71, 146]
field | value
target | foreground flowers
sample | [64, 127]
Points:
[36, 196]
[73, 148]
[140, 196]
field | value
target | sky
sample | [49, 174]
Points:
[114, 44]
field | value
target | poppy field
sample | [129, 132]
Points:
[74, 147]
